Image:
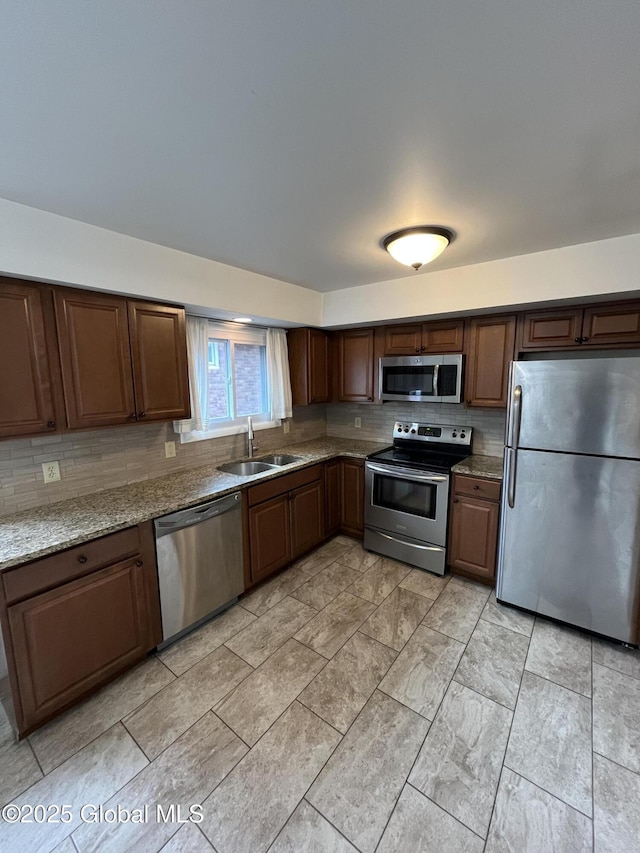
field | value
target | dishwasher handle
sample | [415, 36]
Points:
[195, 515]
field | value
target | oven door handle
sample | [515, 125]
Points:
[410, 544]
[407, 474]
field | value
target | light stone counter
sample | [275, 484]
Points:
[34, 533]
[486, 467]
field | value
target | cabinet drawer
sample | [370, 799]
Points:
[52, 571]
[476, 487]
[284, 484]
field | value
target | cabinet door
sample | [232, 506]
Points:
[355, 366]
[548, 330]
[269, 535]
[491, 349]
[26, 400]
[402, 340]
[159, 354]
[474, 535]
[443, 336]
[612, 325]
[93, 334]
[307, 518]
[318, 366]
[352, 482]
[75, 637]
[333, 508]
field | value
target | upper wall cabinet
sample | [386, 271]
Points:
[355, 366]
[615, 324]
[439, 336]
[26, 360]
[309, 366]
[121, 361]
[490, 351]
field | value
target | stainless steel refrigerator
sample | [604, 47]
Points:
[570, 528]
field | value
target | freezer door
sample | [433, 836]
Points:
[570, 540]
[576, 406]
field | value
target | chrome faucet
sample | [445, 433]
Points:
[250, 445]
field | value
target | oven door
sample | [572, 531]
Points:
[407, 501]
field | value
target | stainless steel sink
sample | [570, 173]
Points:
[280, 459]
[245, 469]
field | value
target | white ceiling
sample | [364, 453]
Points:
[288, 138]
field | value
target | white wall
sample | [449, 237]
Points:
[40, 245]
[590, 269]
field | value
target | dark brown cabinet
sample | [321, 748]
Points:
[121, 361]
[26, 393]
[473, 531]
[438, 336]
[355, 369]
[490, 351]
[285, 519]
[352, 499]
[333, 504]
[613, 325]
[309, 366]
[74, 620]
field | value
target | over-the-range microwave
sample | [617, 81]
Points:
[422, 378]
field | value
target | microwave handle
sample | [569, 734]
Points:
[436, 368]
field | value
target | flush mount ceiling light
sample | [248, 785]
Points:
[242, 320]
[415, 247]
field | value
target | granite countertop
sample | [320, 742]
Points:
[485, 467]
[34, 533]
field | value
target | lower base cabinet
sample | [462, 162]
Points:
[352, 496]
[66, 640]
[473, 531]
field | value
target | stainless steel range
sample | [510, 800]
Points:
[407, 493]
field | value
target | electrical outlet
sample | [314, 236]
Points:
[357, 422]
[51, 471]
[286, 426]
[169, 449]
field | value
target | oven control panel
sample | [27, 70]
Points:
[440, 433]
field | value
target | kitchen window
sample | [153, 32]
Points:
[234, 372]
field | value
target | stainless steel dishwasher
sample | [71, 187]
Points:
[200, 563]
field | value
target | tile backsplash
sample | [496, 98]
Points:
[93, 460]
[377, 422]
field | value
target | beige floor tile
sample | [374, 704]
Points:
[186, 652]
[260, 639]
[358, 788]
[508, 617]
[397, 618]
[173, 710]
[616, 717]
[424, 583]
[378, 581]
[91, 776]
[185, 774]
[273, 591]
[457, 610]
[249, 808]
[550, 741]
[347, 541]
[419, 826]
[529, 820]
[256, 703]
[327, 632]
[59, 739]
[320, 590]
[493, 663]
[359, 559]
[18, 769]
[189, 839]
[422, 671]
[322, 557]
[617, 657]
[306, 830]
[616, 802]
[459, 764]
[341, 690]
[561, 655]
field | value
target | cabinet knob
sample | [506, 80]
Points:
[583, 340]
[417, 349]
[455, 500]
[476, 487]
[133, 416]
[138, 563]
[82, 558]
[468, 402]
[51, 424]
[142, 415]
[578, 340]
[422, 348]
[313, 399]
[370, 399]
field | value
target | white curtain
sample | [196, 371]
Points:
[198, 357]
[278, 372]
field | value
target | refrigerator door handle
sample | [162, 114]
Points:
[515, 417]
[512, 457]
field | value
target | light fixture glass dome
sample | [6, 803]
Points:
[415, 247]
